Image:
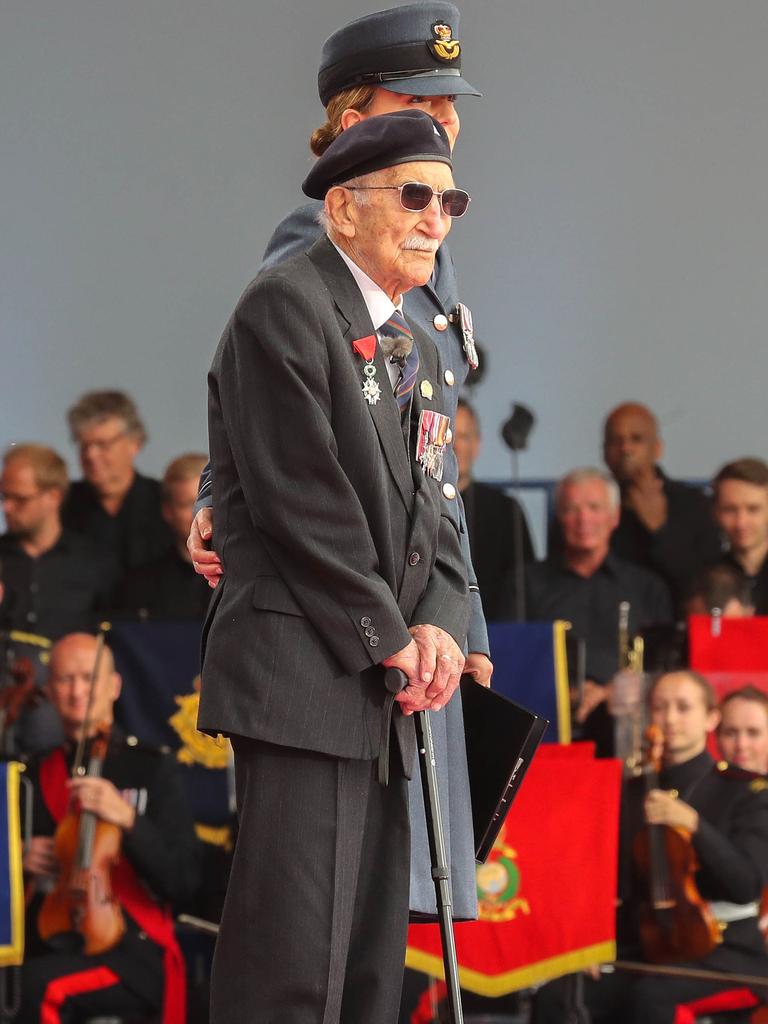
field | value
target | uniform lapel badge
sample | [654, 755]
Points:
[431, 442]
[464, 316]
[425, 389]
[442, 45]
[366, 347]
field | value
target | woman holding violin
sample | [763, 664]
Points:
[693, 861]
[113, 845]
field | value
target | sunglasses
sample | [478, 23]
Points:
[415, 196]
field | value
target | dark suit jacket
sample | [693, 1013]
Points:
[294, 235]
[333, 540]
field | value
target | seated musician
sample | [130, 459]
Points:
[725, 814]
[142, 795]
[743, 740]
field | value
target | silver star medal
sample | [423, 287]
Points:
[371, 389]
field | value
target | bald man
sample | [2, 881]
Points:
[142, 795]
[665, 525]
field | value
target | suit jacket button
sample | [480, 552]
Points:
[414, 558]
[449, 491]
[374, 641]
[440, 322]
[370, 631]
[365, 621]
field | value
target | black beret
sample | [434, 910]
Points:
[410, 49]
[386, 140]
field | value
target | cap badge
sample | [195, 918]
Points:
[442, 46]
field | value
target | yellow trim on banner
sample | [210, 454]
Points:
[13, 954]
[562, 693]
[30, 638]
[216, 835]
[523, 977]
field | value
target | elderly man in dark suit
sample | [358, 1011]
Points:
[327, 440]
[383, 62]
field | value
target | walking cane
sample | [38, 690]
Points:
[438, 856]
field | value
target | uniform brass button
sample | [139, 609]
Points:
[414, 558]
[449, 378]
[365, 621]
[374, 641]
[440, 322]
[449, 491]
[448, 436]
[370, 631]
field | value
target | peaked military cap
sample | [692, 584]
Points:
[387, 140]
[412, 49]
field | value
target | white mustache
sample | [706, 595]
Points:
[421, 244]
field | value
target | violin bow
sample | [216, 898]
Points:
[77, 767]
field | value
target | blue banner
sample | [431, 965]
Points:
[531, 668]
[160, 666]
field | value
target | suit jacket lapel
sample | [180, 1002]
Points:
[356, 323]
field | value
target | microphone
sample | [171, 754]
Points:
[515, 430]
[514, 433]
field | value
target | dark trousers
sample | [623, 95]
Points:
[71, 987]
[623, 998]
[316, 913]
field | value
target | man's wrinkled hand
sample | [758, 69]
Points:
[479, 667]
[441, 661]
[205, 561]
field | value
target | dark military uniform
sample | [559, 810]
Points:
[162, 850]
[731, 845]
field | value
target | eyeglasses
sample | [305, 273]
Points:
[8, 498]
[415, 196]
[101, 445]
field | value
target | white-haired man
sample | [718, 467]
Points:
[585, 583]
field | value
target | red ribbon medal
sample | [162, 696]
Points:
[366, 347]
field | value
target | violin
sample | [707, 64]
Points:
[87, 849]
[675, 923]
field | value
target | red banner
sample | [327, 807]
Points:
[547, 893]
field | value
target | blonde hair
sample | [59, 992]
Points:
[48, 466]
[357, 97]
[184, 467]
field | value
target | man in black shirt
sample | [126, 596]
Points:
[114, 505]
[168, 587]
[492, 519]
[53, 580]
[586, 583]
[741, 510]
[665, 525]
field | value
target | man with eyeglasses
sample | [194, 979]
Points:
[327, 440]
[114, 504]
[53, 581]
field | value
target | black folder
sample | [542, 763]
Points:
[501, 738]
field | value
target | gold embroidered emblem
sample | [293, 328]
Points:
[758, 785]
[498, 885]
[443, 47]
[196, 747]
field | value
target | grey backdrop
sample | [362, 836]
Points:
[616, 245]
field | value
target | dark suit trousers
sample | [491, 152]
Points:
[315, 919]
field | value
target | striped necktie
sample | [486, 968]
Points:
[397, 329]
